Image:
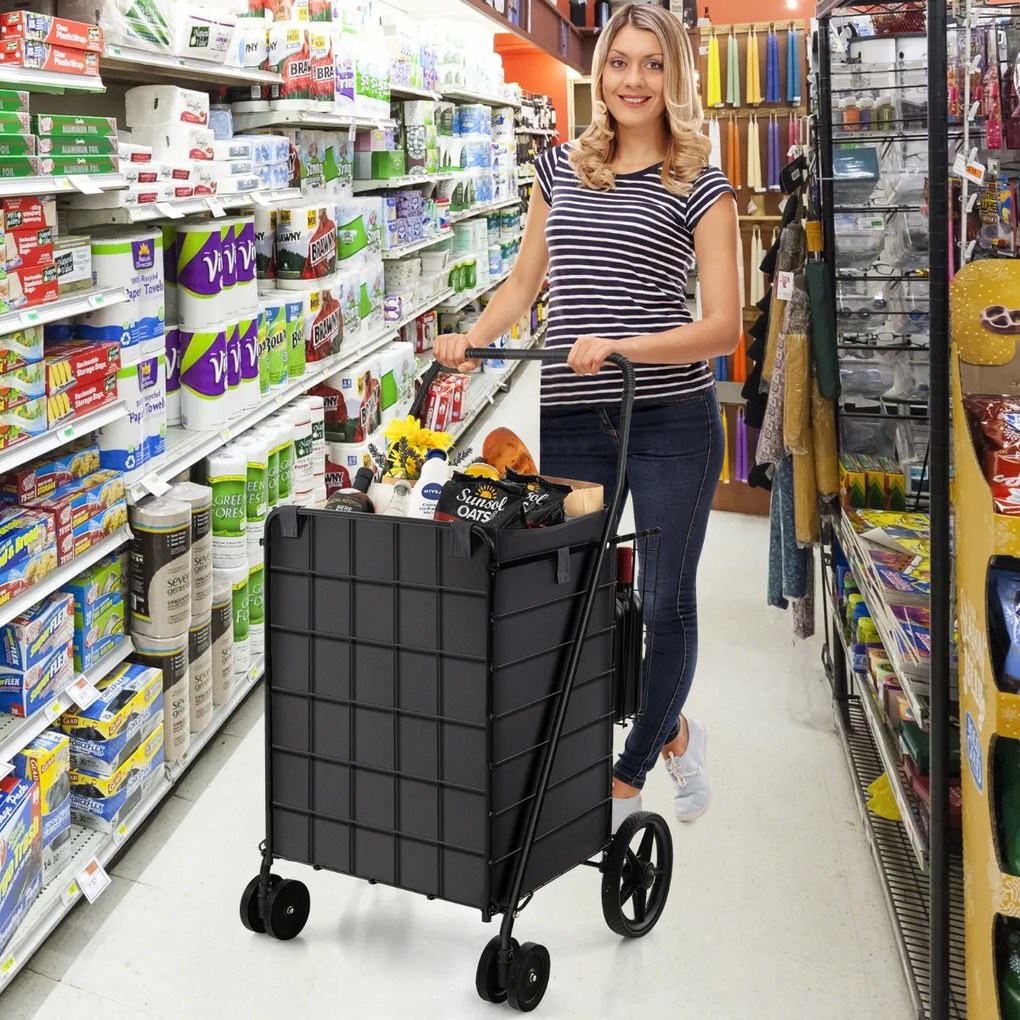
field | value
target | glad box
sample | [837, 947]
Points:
[20, 852]
[47, 29]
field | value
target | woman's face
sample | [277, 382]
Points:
[633, 82]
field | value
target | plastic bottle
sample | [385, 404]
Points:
[355, 499]
[399, 501]
[851, 114]
[435, 473]
[867, 112]
[885, 113]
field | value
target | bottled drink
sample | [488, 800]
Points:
[435, 473]
[399, 501]
[355, 499]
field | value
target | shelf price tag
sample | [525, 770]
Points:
[96, 300]
[120, 833]
[215, 208]
[68, 433]
[6, 768]
[85, 184]
[54, 710]
[156, 485]
[29, 318]
[93, 880]
[259, 199]
[6, 969]
[70, 894]
[170, 211]
[82, 692]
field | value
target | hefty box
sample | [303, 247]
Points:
[20, 852]
[47, 762]
[24, 212]
[101, 637]
[81, 399]
[23, 692]
[95, 588]
[102, 802]
[30, 638]
[48, 57]
[69, 364]
[96, 751]
[45, 475]
[79, 35]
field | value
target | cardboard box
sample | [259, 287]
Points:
[44, 476]
[103, 635]
[14, 122]
[18, 145]
[78, 35]
[30, 638]
[23, 422]
[64, 146]
[12, 101]
[100, 802]
[22, 347]
[95, 588]
[23, 535]
[95, 530]
[26, 211]
[40, 56]
[28, 247]
[90, 497]
[24, 691]
[585, 497]
[18, 167]
[20, 852]
[66, 166]
[29, 286]
[102, 758]
[72, 255]
[20, 385]
[69, 364]
[127, 692]
[46, 761]
[81, 399]
[49, 125]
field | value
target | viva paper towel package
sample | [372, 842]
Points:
[133, 261]
[201, 299]
[136, 444]
[233, 395]
[248, 331]
[247, 295]
[173, 376]
[204, 378]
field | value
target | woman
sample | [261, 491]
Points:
[619, 219]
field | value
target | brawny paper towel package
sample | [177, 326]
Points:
[289, 55]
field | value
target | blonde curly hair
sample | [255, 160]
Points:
[687, 148]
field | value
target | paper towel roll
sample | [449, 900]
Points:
[129, 444]
[200, 295]
[237, 578]
[290, 57]
[295, 313]
[304, 464]
[317, 414]
[267, 434]
[226, 473]
[256, 611]
[248, 330]
[200, 667]
[222, 639]
[283, 442]
[247, 294]
[235, 407]
[265, 243]
[204, 379]
[343, 461]
[171, 656]
[228, 276]
[277, 345]
[199, 498]
[256, 446]
[306, 246]
[173, 376]
[160, 567]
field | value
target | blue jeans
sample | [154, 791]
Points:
[673, 467]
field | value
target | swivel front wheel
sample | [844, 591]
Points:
[287, 907]
[487, 982]
[528, 977]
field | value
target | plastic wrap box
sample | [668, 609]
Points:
[24, 691]
[47, 761]
[95, 588]
[102, 635]
[78, 35]
[31, 637]
[100, 802]
[412, 673]
[20, 852]
[48, 57]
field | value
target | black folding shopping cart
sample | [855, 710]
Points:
[440, 701]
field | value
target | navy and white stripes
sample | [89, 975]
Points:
[618, 265]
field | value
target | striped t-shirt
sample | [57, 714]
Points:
[618, 265]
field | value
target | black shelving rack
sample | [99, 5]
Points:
[926, 906]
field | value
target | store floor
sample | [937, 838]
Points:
[775, 909]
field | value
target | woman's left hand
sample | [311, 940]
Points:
[589, 354]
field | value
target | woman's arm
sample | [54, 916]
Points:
[716, 247]
[512, 300]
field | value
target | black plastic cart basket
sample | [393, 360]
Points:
[440, 701]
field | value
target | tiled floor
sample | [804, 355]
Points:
[775, 910]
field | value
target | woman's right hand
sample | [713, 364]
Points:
[449, 351]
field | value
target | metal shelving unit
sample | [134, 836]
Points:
[129, 64]
[483, 209]
[407, 181]
[926, 909]
[63, 308]
[392, 254]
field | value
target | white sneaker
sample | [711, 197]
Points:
[689, 773]
[624, 807]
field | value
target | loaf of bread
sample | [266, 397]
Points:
[505, 449]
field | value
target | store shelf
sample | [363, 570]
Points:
[425, 306]
[905, 887]
[139, 67]
[181, 207]
[77, 184]
[64, 308]
[62, 575]
[484, 209]
[410, 92]
[459, 301]
[60, 896]
[246, 122]
[467, 96]
[409, 249]
[21, 453]
[15, 733]
[407, 181]
[912, 676]
[26, 79]
[538, 132]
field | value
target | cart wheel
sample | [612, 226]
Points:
[486, 976]
[635, 882]
[250, 917]
[287, 907]
[528, 977]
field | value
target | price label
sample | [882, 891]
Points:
[6, 969]
[215, 208]
[85, 184]
[169, 211]
[96, 300]
[156, 485]
[29, 318]
[54, 710]
[92, 880]
[281, 400]
[82, 692]
[6, 768]
[120, 833]
[784, 286]
[352, 133]
[70, 894]
[975, 171]
[69, 433]
[259, 199]
[226, 434]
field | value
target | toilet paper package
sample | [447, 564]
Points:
[164, 105]
[204, 378]
[136, 444]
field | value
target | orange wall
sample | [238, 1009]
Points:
[535, 71]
